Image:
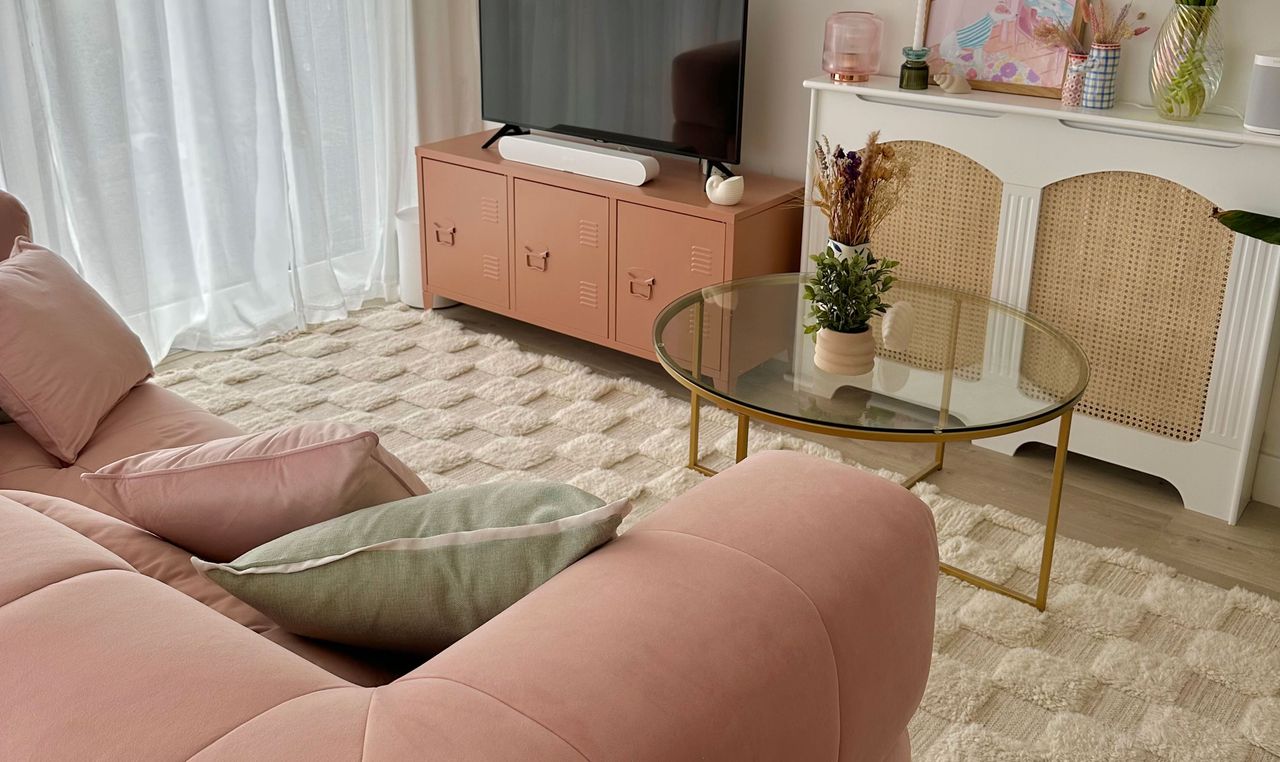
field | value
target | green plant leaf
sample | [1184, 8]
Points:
[1260, 226]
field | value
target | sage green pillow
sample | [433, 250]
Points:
[420, 573]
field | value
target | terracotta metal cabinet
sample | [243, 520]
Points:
[594, 259]
[465, 232]
[562, 257]
[661, 256]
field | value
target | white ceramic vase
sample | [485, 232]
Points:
[845, 354]
[843, 250]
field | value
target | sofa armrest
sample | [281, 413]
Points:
[781, 610]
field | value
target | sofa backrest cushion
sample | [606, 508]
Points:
[66, 358]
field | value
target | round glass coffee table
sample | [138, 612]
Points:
[968, 368]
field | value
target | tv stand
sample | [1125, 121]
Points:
[597, 259]
[713, 164]
[503, 131]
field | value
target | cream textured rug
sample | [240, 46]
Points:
[1131, 661]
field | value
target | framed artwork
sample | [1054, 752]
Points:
[991, 43]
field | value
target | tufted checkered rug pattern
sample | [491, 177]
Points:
[1131, 661]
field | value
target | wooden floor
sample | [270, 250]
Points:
[1102, 504]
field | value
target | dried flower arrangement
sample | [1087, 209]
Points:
[857, 190]
[1056, 34]
[1108, 30]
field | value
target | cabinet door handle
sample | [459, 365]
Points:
[444, 235]
[641, 288]
[536, 260]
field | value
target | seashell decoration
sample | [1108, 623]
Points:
[953, 83]
[725, 191]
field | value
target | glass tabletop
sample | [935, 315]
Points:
[967, 367]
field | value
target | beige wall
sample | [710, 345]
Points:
[785, 47]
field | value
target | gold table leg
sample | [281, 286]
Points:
[936, 465]
[1041, 598]
[694, 426]
[744, 426]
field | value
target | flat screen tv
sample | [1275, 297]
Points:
[665, 75]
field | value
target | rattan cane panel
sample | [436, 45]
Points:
[929, 347]
[944, 232]
[1133, 268]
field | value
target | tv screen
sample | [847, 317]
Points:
[659, 74]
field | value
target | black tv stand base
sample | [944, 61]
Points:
[503, 131]
[712, 164]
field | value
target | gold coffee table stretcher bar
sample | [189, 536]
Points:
[969, 368]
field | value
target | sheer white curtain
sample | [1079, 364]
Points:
[220, 171]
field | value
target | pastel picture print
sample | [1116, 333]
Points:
[992, 43]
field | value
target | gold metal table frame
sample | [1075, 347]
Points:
[939, 436]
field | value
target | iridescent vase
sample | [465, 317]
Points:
[1186, 63]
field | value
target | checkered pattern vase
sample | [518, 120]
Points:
[1100, 77]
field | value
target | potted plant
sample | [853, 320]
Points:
[856, 191]
[846, 291]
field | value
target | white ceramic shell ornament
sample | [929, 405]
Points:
[953, 83]
[725, 191]
[897, 326]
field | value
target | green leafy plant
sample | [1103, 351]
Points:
[846, 292]
[1260, 226]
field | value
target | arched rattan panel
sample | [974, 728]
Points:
[944, 232]
[1133, 268]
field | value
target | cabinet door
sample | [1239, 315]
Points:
[466, 238]
[562, 258]
[661, 256]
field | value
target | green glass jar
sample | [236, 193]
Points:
[915, 72]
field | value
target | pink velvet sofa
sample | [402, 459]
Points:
[782, 610]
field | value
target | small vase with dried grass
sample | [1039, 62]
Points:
[856, 191]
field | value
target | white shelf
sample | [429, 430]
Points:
[1128, 119]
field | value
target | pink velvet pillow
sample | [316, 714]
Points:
[66, 358]
[223, 498]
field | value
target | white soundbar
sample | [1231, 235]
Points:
[579, 158]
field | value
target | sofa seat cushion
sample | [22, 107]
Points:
[66, 358]
[150, 417]
[114, 664]
[144, 552]
[222, 498]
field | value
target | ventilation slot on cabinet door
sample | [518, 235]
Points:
[589, 234]
[489, 210]
[588, 294]
[700, 259]
[490, 266]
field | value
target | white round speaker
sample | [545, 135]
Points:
[1262, 114]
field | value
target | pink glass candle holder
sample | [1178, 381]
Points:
[851, 52]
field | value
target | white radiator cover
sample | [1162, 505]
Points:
[1031, 143]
